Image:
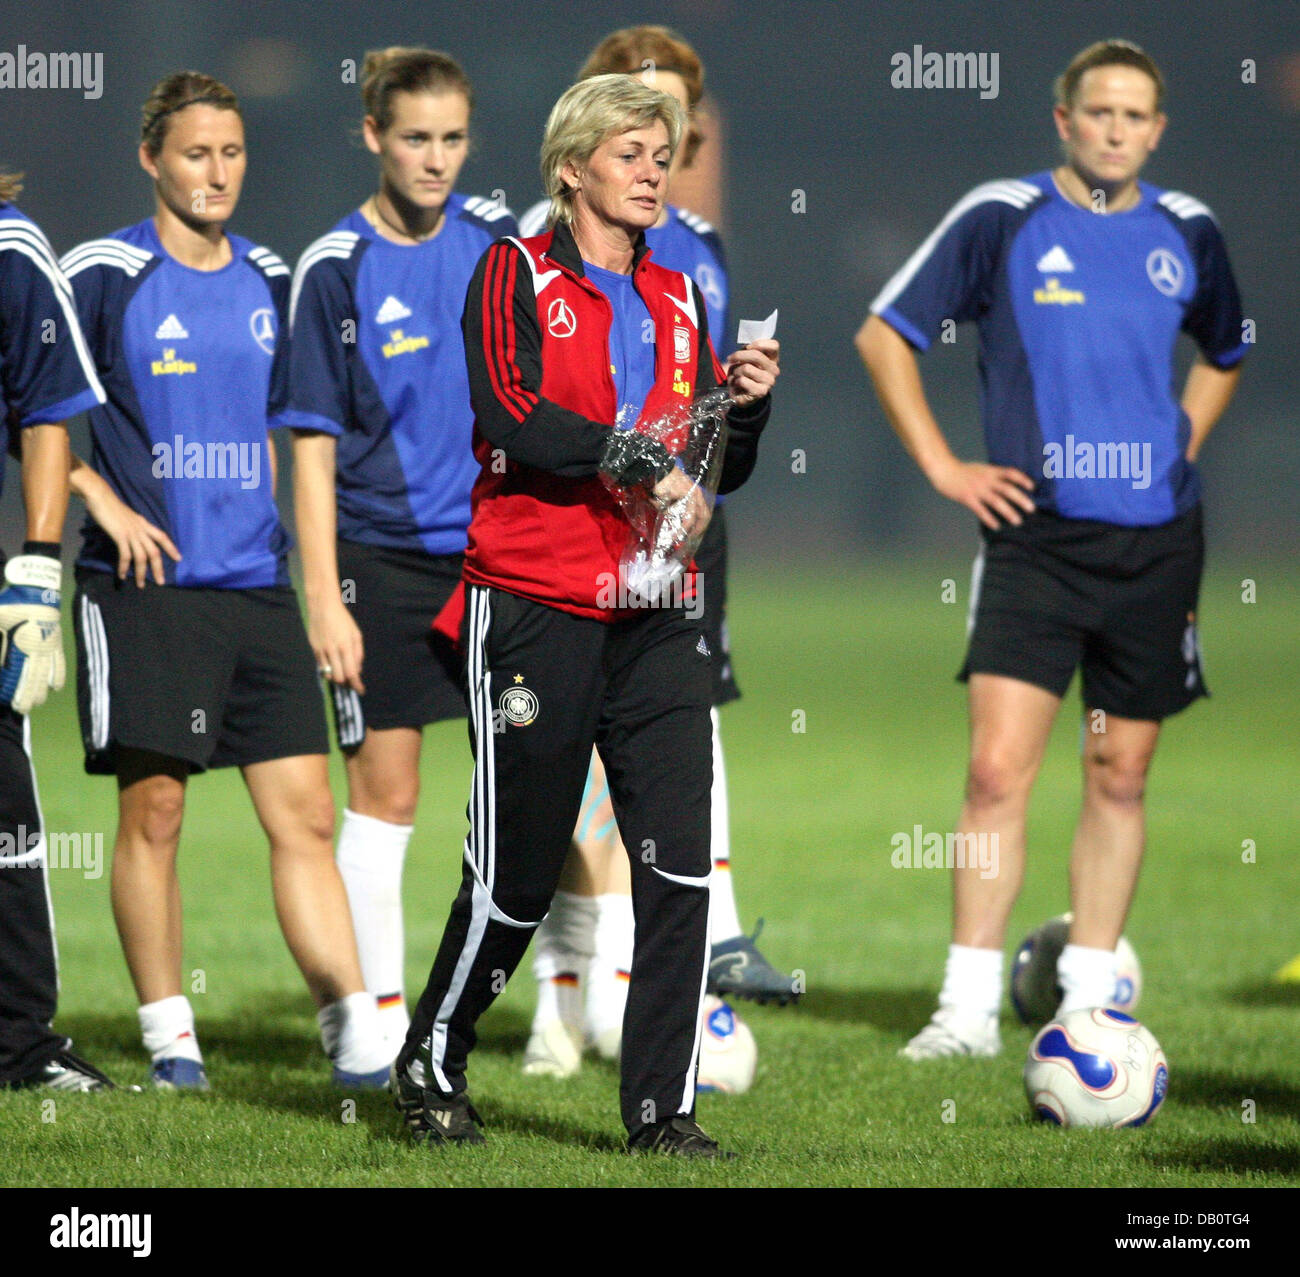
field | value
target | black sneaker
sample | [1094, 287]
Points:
[738, 970]
[65, 1072]
[430, 1116]
[677, 1137]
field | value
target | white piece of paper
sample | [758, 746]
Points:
[756, 329]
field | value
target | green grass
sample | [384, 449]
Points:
[869, 658]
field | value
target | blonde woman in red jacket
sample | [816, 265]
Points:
[571, 338]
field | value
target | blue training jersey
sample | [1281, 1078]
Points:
[195, 367]
[46, 371]
[1078, 313]
[378, 360]
[631, 343]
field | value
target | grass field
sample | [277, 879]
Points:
[869, 659]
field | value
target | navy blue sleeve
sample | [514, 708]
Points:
[324, 323]
[1213, 319]
[950, 276]
[278, 396]
[47, 371]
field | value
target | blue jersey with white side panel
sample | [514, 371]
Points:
[195, 367]
[1078, 313]
[378, 361]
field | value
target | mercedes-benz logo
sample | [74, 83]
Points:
[560, 321]
[1165, 271]
[261, 324]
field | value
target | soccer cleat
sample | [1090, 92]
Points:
[1289, 973]
[376, 1081]
[178, 1073]
[738, 970]
[952, 1033]
[677, 1137]
[554, 1050]
[431, 1117]
[65, 1072]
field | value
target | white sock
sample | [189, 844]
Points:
[351, 1036]
[724, 921]
[167, 1027]
[611, 965]
[1086, 976]
[562, 952]
[370, 857]
[972, 981]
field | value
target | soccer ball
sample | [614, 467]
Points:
[728, 1054]
[1095, 1067]
[1035, 993]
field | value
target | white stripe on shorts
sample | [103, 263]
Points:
[976, 581]
[349, 716]
[96, 641]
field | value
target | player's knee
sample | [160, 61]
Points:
[993, 780]
[154, 814]
[316, 816]
[1118, 780]
[394, 801]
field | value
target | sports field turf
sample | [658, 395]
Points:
[869, 659]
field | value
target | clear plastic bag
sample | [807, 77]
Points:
[666, 533]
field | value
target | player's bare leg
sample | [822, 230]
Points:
[383, 792]
[1107, 853]
[1010, 723]
[296, 809]
[145, 890]
[146, 897]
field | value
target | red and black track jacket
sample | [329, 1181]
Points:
[543, 524]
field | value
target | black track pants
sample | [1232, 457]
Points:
[545, 685]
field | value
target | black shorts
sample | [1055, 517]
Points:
[1058, 593]
[217, 678]
[711, 566]
[412, 677]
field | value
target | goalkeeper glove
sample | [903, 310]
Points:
[31, 647]
[630, 459]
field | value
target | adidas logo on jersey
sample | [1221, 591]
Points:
[702, 647]
[171, 329]
[1055, 260]
[391, 311]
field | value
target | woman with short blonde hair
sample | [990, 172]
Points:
[572, 339]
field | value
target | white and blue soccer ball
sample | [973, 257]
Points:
[728, 1053]
[1035, 992]
[1096, 1067]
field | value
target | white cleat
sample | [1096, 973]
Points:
[953, 1033]
[553, 1050]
